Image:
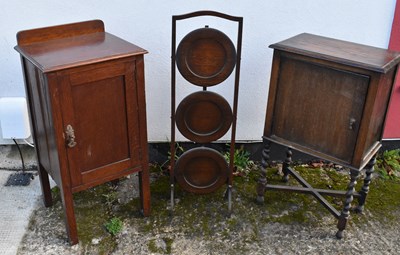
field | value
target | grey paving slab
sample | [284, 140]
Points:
[16, 206]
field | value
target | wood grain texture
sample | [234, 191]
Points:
[329, 98]
[317, 105]
[348, 53]
[80, 77]
[59, 32]
[60, 54]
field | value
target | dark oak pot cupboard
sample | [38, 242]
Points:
[328, 98]
[85, 89]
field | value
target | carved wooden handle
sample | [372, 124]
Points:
[70, 136]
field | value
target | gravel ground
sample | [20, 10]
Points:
[177, 235]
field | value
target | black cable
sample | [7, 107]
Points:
[22, 158]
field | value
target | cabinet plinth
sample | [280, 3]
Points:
[328, 98]
[85, 89]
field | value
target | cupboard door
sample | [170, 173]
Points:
[100, 108]
[319, 107]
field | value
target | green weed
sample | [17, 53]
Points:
[241, 160]
[114, 226]
[388, 164]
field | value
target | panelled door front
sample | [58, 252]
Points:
[100, 117]
[329, 115]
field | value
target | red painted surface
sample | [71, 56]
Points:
[392, 129]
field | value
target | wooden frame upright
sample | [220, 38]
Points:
[239, 21]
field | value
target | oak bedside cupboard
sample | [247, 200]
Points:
[328, 98]
[85, 89]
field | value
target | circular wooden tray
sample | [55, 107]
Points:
[203, 116]
[201, 170]
[206, 57]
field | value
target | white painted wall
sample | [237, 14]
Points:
[147, 23]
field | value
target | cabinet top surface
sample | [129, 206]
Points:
[59, 53]
[357, 55]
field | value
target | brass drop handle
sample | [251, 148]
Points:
[352, 123]
[70, 136]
